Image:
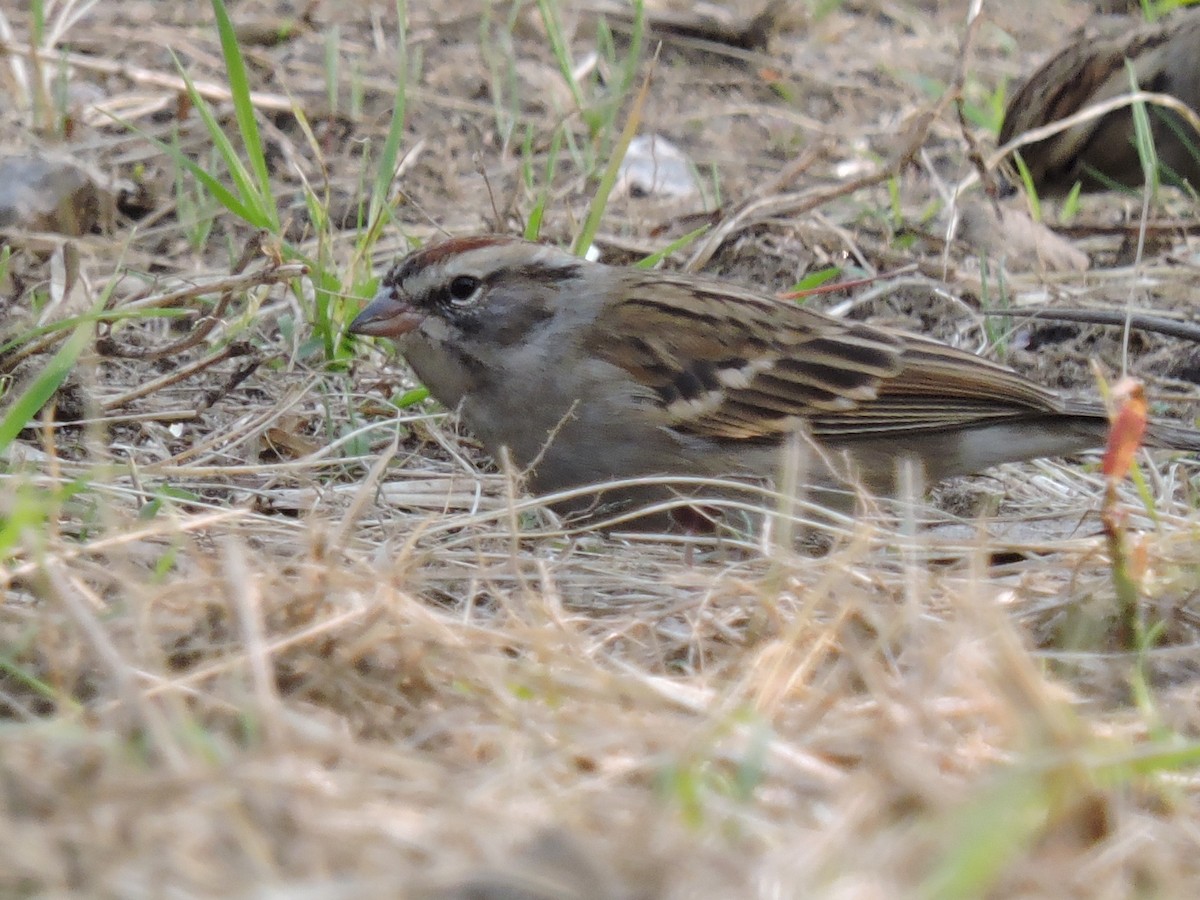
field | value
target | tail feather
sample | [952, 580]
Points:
[1160, 434]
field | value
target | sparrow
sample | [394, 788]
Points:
[586, 373]
[1165, 58]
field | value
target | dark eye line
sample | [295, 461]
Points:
[462, 287]
[548, 274]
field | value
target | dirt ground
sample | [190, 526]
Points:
[265, 633]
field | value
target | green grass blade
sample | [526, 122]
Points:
[262, 210]
[386, 170]
[91, 318]
[678, 244]
[816, 279]
[1035, 202]
[533, 227]
[26, 406]
[243, 110]
[591, 222]
[558, 44]
[988, 835]
[1142, 135]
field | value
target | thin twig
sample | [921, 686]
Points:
[1155, 324]
[237, 348]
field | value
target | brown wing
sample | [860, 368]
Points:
[941, 388]
[1061, 87]
[734, 365]
[1090, 70]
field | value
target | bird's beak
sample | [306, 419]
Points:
[389, 314]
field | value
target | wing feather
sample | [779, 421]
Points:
[734, 365]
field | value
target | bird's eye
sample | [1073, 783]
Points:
[462, 289]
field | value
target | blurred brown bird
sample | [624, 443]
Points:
[1165, 58]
